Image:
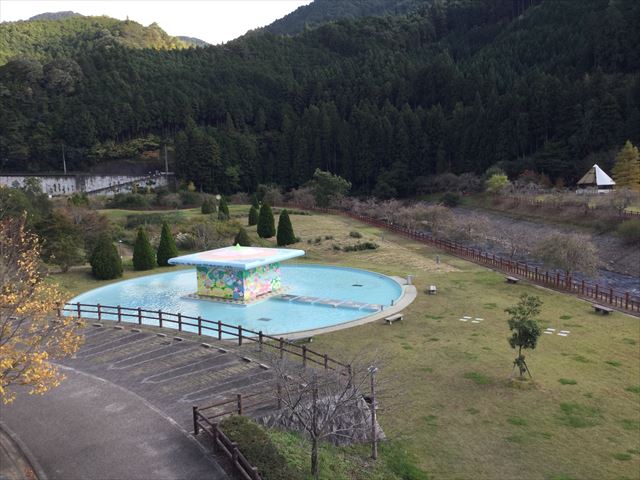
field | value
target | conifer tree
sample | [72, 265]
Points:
[242, 238]
[144, 258]
[254, 201]
[253, 216]
[167, 247]
[105, 261]
[626, 171]
[285, 234]
[223, 210]
[266, 223]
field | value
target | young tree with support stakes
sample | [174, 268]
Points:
[31, 335]
[167, 247]
[525, 329]
[144, 258]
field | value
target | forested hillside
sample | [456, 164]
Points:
[320, 12]
[381, 101]
[67, 34]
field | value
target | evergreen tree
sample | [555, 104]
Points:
[285, 234]
[626, 171]
[223, 210]
[105, 261]
[242, 238]
[253, 216]
[254, 202]
[167, 247]
[144, 257]
[266, 223]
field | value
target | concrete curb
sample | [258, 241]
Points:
[27, 455]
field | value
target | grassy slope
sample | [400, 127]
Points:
[454, 409]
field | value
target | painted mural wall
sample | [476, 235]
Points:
[243, 285]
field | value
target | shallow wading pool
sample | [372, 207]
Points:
[313, 297]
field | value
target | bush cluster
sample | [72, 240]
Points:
[360, 246]
[629, 231]
[355, 234]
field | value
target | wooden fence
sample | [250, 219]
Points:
[557, 281]
[202, 326]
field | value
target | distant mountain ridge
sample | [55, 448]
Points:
[323, 11]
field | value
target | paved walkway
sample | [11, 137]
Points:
[91, 429]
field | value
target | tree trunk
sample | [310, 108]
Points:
[315, 471]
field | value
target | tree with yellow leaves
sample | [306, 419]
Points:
[626, 171]
[31, 335]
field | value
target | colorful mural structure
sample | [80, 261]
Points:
[238, 273]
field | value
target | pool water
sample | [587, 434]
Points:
[169, 292]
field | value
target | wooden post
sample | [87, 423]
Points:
[99, 313]
[597, 292]
[304, 355]
[214, 430]
[557, 279]
[179, 322]
[79, 311]
[281, 348]
[239, 398]
[239, 335]
[199, 325]
[219, 330]
[139, 316]
[196, 430]
[546, 277]
[610, 295]
[626, 300]
[160, 318]
[119, 313]
[260, 340]
[326, 361]
[582, 287]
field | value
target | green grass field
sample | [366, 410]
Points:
[447, 397]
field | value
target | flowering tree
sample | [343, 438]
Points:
[30, 336]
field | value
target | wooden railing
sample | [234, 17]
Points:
[202, 326]
[223, 444]
[557, 281]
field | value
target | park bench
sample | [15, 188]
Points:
[393, 318]
[512, 279]
[300, 341]
[602, 309]
[432, 290]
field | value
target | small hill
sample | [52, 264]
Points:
[55, 15]
[193, 41]
[323, 11]
[70, 34]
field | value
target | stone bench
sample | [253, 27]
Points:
[394, 318]
[602, 309]
[512, 279]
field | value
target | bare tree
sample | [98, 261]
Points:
[327, 405]
[569, 252]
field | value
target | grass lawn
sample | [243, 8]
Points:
[449, 401]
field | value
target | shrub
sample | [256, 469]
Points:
[355, 234]
[128, 200]
[190, 199]
[242, 238]
[256, 445]
[285, 235]
[360, 246]
[450, 199]
[266, 222]
[167, 247]
[144, 257]
[629, 231]
[207, 207]
[253, 215]
[137, 220]
[223, 210]
[105, 261]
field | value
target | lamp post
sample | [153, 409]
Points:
[218, 197]
[374, 437]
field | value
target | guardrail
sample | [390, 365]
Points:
[202, 326]
[223, 444]
[557, 281]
